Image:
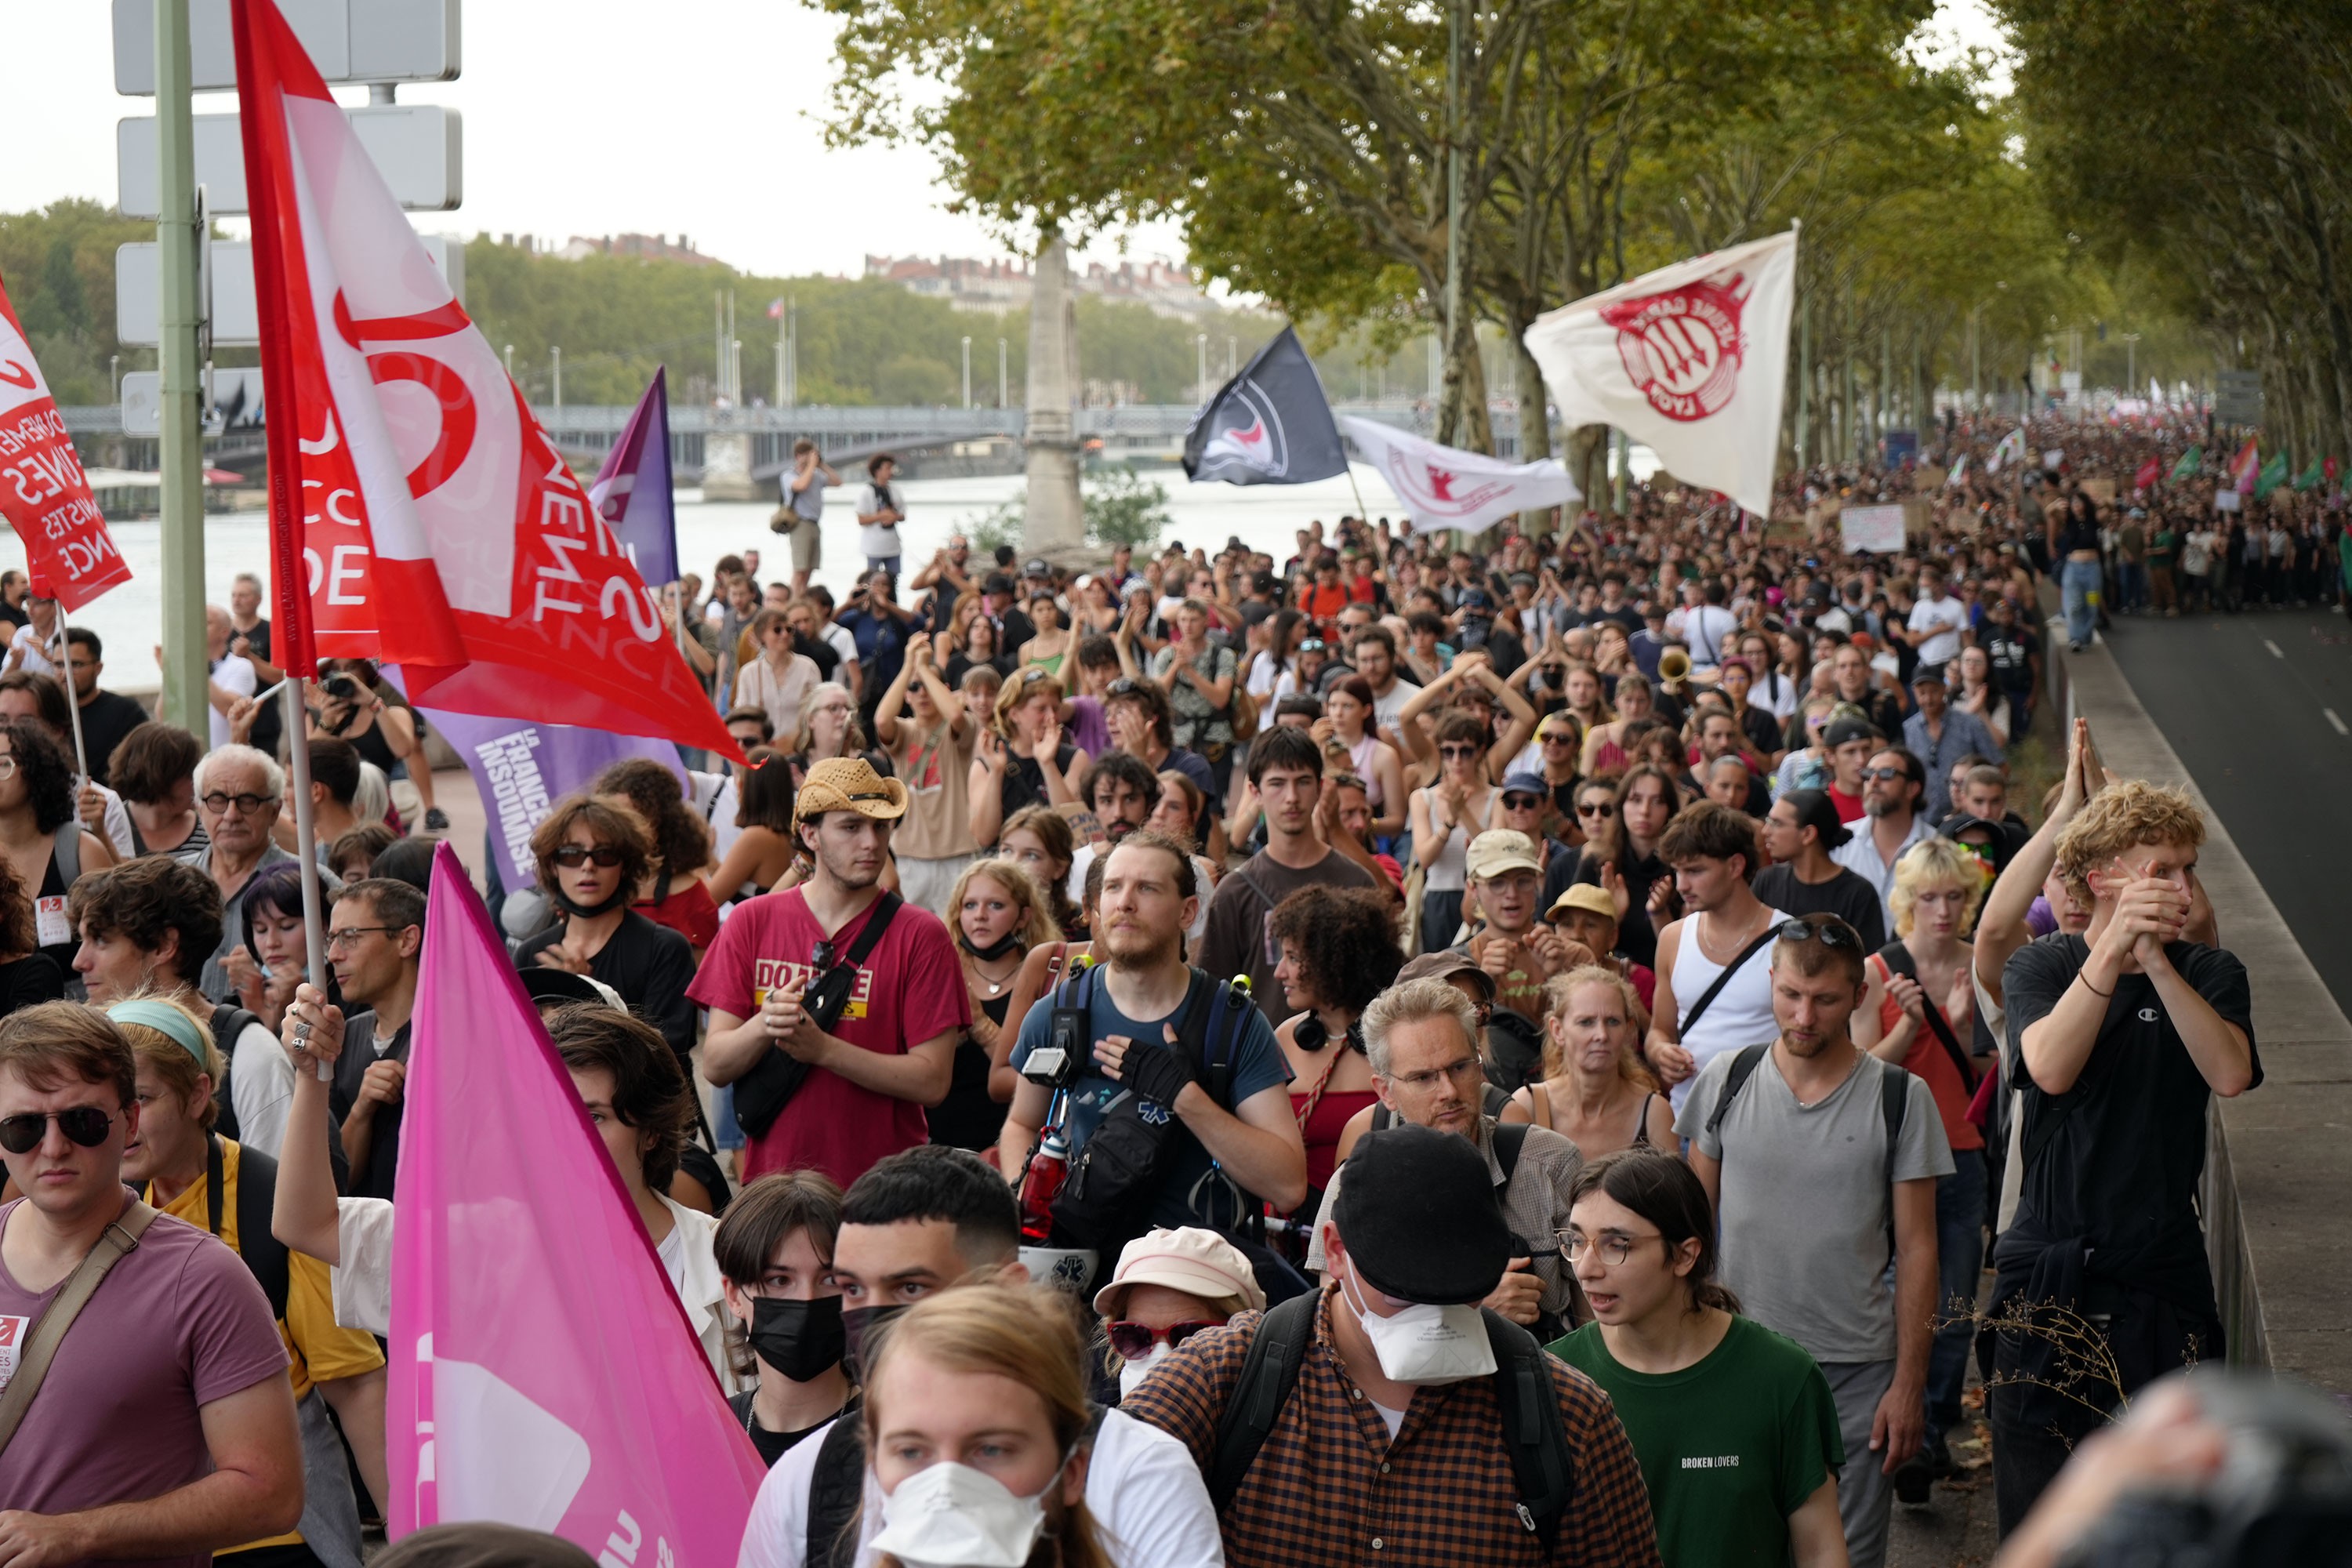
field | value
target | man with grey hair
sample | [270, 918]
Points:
[1421, 1038]
[239, 790]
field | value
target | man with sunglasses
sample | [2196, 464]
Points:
[177, 1335]
[240, 790]
[1820, 1158]
[1894, 792]
[375, 934]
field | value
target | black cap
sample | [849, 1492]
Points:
[1037, 567]
[1838, 732]
[998, 582]
[1419, 1216]
[1814, 810]
[2003, 844]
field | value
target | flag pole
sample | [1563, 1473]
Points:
[306, 839]
[73, 704]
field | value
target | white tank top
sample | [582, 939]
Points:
[1739, 1016]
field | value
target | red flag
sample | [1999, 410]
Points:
[2149, 472]
[418, 513]
[43, 494]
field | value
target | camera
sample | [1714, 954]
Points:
[343, 688]
[1055, 1064]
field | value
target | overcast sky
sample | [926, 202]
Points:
[608, 122]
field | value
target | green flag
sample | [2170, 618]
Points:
[2273, 474]
[2309, 479]
[2190, 461]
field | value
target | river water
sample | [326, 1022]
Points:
[1264, 517]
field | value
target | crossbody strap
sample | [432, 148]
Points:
[1897, 959]
[115, 1242]
[1723, 978]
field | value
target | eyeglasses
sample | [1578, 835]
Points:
[1457, 753]
[1614, 1246]
[1884, 774]
[1597, 808]
[571, 856]
[1468, 1067]
[84, 1124]
[1133, 1340]
[1557, 738]
[1831, 933]
[348, 936]
[218, 802]
[1521, 802]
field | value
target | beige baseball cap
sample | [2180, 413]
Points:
[1199, 1262]
[1500, 851]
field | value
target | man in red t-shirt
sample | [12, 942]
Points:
[891, 1051]
[1849, 742]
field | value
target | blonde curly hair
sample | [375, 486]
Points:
[2117, 817]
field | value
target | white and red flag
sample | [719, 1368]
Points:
[1443, 487]
[69, 553]
[419, 515]
[1691, 360]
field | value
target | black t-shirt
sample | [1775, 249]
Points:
[2012, 650]
[375, 1180]
[2121, 1166]
[775, 1445]
[1849, 897]
[1763, 730]
[823, 653]
[106, 718]
[1636, 938]
[650, 965]
[968, 1117]
[29, 981]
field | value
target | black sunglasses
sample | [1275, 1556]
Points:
[572, 856]
[84, 1124]
[1522, 802]
[1134, 1341]
[1831, 933]
[1597, 808]
[1122, 687]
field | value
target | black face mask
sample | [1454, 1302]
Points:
[571, 906]
[802, 1340]
[856, 1323]
[995, 949]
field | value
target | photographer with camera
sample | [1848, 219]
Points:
[835, 1007]
[801, 517]
[352, 708]
[1175, 1071]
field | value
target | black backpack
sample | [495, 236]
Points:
[1532, 1429]
[265, 1256]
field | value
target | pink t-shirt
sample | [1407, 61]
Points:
[909, 989]
[178, 1324]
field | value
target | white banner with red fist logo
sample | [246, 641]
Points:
[418, 513]
[1691, 360]
[69, 553]
[1442, 487]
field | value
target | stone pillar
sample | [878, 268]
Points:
[1054, 520]
[727, 465]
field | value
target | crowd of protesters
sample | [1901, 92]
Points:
[1411, 1053]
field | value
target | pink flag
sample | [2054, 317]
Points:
[542, 1372]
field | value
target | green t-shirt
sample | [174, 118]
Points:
[1729, 1448]
[2161, 551]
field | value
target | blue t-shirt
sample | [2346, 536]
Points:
[1258, 1065]
[881, 643]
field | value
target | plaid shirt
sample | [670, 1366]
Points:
[1329, 1487]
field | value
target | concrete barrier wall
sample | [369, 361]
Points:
[2278, 1193]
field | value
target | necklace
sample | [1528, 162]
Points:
[997, 984]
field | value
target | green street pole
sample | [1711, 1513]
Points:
[1804, 375]
[187, 675]
[1453, 186]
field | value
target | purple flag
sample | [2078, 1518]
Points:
[632, 490]
[598, 1420]
[522, 770]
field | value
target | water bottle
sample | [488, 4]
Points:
[1041, 1183]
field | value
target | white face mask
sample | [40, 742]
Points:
[953, 1516]
[1425, 1344]
[1131, 1373]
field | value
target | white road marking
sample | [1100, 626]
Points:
[2275, 651]
[2332, 719]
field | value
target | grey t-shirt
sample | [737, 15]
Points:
[1805, 1208]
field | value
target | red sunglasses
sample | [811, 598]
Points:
[1133, 1342]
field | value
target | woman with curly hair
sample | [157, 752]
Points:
[998, 913]
[45, 845]
[592, 856]
[676, 894]
[1339, 951]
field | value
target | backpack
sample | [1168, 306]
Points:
[1894, 1099]
[265, 1257]
[1114, 1176]
[228, 1023]
[1532, 1429]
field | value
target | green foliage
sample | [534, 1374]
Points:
[57, 266]
[1000, 527]
[1122, 507]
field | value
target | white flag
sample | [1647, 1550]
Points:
[1692, 360]
[1442, 487]
[1959, 471]
[2009, 447]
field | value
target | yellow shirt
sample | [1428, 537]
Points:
[321, 1352]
